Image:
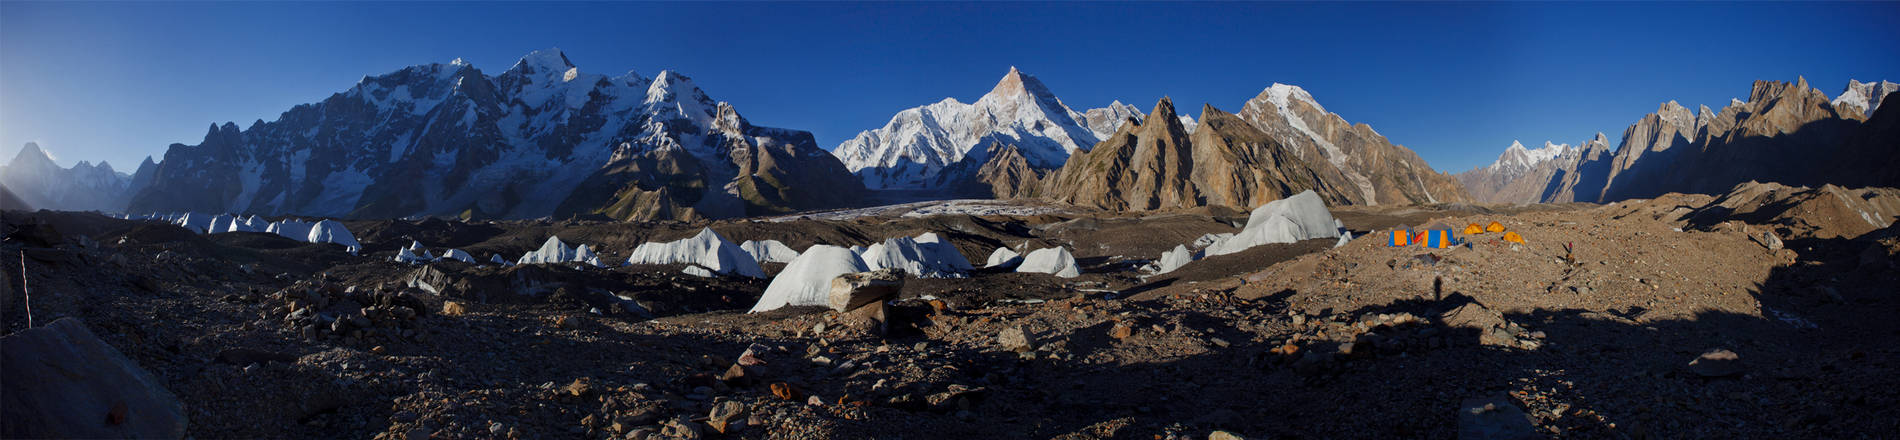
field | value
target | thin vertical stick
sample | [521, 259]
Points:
[23, 292]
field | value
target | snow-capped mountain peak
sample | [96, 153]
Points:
[1517, 159]
[542, 62]
[918, 143]
[673, 94]
[1283, 94]
[1864, 96]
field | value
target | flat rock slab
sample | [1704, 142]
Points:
[61, 381]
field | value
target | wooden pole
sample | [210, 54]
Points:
[23, 292]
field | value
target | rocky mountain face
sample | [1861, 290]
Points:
[1785, 132]
[1243, 161]
[37, 182]
[539, 139]
[921, 148]
[1378, 171]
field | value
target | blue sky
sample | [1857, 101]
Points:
[1456, 82]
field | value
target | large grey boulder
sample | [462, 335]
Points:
[61, 381]
[853, 290]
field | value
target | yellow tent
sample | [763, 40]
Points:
[1513, 237]
[1473, 229]
[1495, 227]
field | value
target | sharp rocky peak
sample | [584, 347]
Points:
[31, 153]
[1164, 109]
[1018, 83]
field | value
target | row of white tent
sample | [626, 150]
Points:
[322, 231]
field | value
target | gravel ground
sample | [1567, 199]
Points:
[1589, 328]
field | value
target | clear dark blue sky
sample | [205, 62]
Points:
[1457, 82]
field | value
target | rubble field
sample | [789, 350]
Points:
[1765, 313]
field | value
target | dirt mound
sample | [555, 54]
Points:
[157, 233]
[1801, 212]
[386, 235]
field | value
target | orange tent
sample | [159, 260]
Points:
[1473, 229]
[1494, 227]
[1513, 237]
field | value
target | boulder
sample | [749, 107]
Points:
[850, 291]
[874, 318]
[1014, 338]
[62, 381]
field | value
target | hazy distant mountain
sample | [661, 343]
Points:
[38, 182]
[541, 138]
[1788, 133]
[1498, 182]
[917, 145]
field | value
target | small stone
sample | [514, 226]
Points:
[784, 391]
[1121, 331]
[454, 308]
[1767, 239]
[681, 428]
[1220, 342]
[1015, 339]
[723, 414]
[379, 350]
[814, 401]
[581, 387]
[566, 322]
[735, 375]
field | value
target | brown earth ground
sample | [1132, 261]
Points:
[1589, 327]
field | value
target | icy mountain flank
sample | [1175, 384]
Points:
[912, 150]
[1865, 96]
